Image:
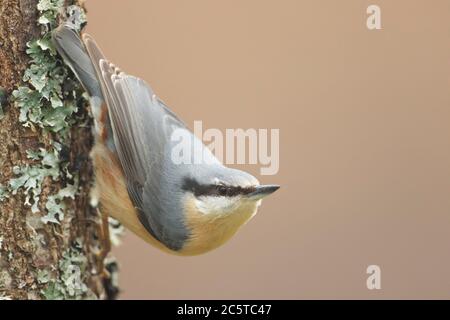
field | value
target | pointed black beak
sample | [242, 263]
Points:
[263, 191]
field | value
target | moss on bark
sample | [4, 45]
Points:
[39, 259]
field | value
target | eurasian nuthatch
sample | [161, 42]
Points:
[184, 209]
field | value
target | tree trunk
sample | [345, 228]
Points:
[49, 232]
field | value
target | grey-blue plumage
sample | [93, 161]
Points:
[141, 131]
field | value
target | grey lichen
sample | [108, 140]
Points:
[55, 204]
[48, 101]
[30, 178]
[70, 284]
[43, 102]
[3, 194]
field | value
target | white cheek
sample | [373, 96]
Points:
[208, 205]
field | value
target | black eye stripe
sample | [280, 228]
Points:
[214, 190]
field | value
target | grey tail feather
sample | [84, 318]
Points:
[69, 45]
[71, 48]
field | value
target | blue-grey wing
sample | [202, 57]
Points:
[142, 127]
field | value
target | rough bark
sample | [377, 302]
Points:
[32, 253]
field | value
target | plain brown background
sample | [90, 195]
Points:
[364, 119]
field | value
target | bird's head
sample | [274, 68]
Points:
[217, 203]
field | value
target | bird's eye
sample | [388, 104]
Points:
[222, 190]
